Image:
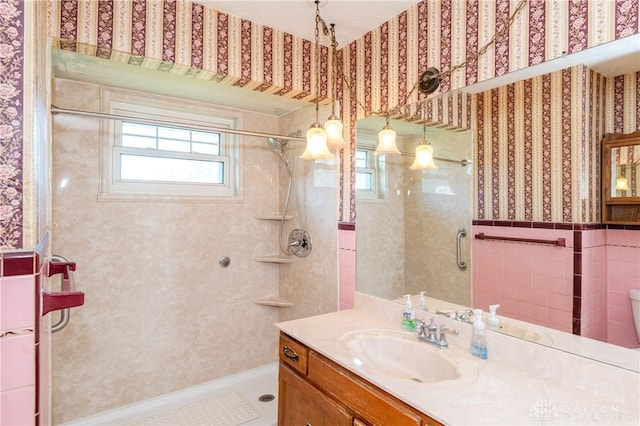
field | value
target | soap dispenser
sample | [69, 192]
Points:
[493, 323]
[478, 339]
[408, 322]
[422, 302]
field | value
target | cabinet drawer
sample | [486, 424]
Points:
[368, 402]
[293, 354]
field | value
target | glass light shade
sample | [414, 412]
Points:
[333, 126]
[316, 144]
[622, 184]
[387, 142]
[424, 158]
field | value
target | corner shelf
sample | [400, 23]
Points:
[276, 258]
[277, 302]
[272, 216]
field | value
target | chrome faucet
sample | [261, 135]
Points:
[464, 316]
[429, 333]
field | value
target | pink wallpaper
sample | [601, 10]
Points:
[188, 39]
[531, 167]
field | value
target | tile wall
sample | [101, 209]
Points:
[19, 284]
[623, 274]
[347, 262]
[581, 288]
[531, 282]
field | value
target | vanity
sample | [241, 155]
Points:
[315, 390]
[356, 367]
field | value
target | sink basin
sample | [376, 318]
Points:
[400, 355]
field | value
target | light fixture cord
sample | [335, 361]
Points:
[334, 66]
[317, 34]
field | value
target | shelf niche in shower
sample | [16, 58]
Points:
[277, 302]
[272, 216]
[276, 258]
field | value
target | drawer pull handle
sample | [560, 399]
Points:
[290, 353]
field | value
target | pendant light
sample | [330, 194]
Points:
[333, 125]
[387, 141]
[316, 148]
[424, 154]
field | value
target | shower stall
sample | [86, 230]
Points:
[161, 314]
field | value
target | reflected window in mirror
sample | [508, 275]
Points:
[369, 173]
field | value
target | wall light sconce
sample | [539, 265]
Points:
[387, 141]
[316, 148]
[622, 184]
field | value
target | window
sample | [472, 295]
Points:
[144, 160]
[365, 174]
[369, 173]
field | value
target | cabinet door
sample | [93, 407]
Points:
[301, 404]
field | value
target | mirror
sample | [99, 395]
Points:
[621, 178]
[625, 167]
[407, 224]
[409, 220]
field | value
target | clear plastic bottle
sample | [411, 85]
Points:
[478, 338]
[408, 315]
[493, 323]
[422, 302]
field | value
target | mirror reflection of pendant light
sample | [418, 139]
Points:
[333, 125]
[387, 141]
[316, 148]
[622, 184]
[424, 154]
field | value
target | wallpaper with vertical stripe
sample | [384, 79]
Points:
[532, 166]
[186, 38]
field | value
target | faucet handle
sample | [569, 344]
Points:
[445, 329]
[420, 328]
[442, 340]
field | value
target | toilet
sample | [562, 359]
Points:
[634, 295]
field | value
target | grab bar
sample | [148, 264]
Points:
[561, 242]
[461, 234]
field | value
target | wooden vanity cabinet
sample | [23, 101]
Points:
[313, 390]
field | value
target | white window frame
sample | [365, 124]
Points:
[375, 167]
[178, 114]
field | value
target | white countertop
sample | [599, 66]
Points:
[502, 392]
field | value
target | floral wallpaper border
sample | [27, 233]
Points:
[11, 122]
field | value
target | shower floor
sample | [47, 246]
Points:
[201, 405]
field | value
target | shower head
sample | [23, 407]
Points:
[277, 145]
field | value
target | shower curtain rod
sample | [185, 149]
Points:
[56, 110]
[464, 162]
[102, 115]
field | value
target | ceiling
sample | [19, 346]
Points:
[352, 18]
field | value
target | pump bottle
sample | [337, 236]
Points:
[478, 338]
[493, 323]
[408, 315]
